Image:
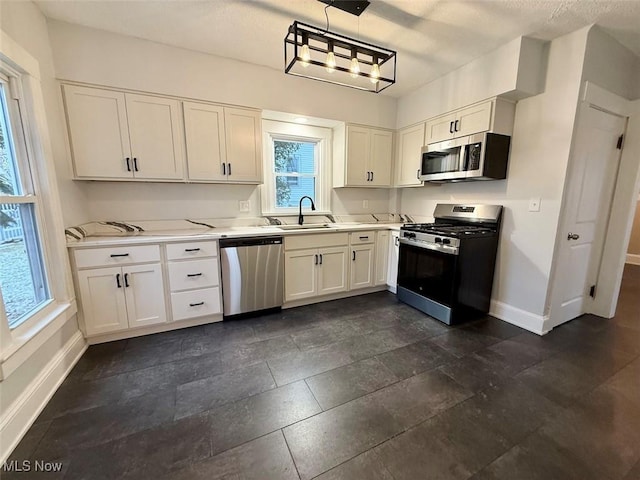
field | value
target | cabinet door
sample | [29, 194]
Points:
[392, 268]
[155, 129]
[440, 128]
[474, 119]
[103, 301]
[382, 257]
[381, 158]
[358, 153]
[410, 143]
[333, 270]
[98, 132]
[243, 143]
[362, 265]
[204, 136]
[144, 291]
[300, 274]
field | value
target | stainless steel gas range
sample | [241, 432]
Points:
[445, 269]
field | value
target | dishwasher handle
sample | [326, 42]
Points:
[249, 242]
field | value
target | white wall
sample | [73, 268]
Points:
[24, 392]
[93, 56]
[26, 25]
[539, 154]
[515, 70]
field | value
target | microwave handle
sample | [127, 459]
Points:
[464, 155]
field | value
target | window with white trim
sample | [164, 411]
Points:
[297, 163]
[23, 277]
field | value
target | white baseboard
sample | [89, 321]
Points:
[633, 259]
[520, 318]
[19, 417]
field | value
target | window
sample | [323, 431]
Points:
[23, 279]
[297, 163]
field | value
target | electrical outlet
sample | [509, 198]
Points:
[244, 206]
[534, 204]
[365, 203]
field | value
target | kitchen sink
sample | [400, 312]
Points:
[309, 226]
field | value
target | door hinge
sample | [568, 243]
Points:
[620, 140]
[592, 291]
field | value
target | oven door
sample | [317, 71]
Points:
[428, 273]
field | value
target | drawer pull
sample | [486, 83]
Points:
[194, 274]
[191, 249]
[114, 255]
[364, 238]
[354, 255]
[196, 304]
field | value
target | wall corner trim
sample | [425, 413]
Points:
[537, 324]
[19, 416]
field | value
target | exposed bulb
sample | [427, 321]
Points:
[375, 73]
[305, 55]
[330, 63]
[355, 68]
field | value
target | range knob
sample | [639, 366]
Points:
[446, 241]
[438, 240]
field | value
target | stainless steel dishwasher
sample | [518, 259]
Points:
[252, 274]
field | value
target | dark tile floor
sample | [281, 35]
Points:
[363, 388]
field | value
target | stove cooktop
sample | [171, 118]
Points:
[449, 229]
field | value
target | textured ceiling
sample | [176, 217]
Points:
[432, 37]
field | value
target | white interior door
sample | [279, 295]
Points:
[592, 179]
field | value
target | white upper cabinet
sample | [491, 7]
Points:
[117, 135]
[98, 132]
[155, 130]
[459, 123]
[244, 145]
[410, 143]
[363, 156]
[204, 133]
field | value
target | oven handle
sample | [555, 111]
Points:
[436, 248]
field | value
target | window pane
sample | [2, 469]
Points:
[289, 193]
[9, 180]
[294, 157]
[22, 278]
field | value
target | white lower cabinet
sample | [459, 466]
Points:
[312, 272]
[118, 298]
[382, 257]
[361, 266]
[194, 279]
[394, 254]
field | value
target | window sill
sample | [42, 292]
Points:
[30, 339]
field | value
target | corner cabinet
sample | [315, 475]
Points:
[363, 156]
[410, 143]
[117, 136]
[223, 143]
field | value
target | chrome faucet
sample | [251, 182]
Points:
[300, 216]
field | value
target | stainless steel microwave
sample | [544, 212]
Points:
[483, 156]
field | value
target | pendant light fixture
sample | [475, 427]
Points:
[320, 54]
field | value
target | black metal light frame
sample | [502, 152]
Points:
[300, 33]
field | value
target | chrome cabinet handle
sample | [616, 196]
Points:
[573, 236]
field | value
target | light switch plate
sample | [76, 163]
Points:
[244, 206]
[534, 204]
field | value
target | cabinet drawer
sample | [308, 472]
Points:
[100, 257]
[318, 240]
[358, 238]
[193, 274]
[184, 251]
[195, 303]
